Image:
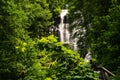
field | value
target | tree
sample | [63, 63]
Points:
[12, 28]
[23, 56]
[16, 18]
[56, 62]
[39, 16]
[105, 45]
[101, 22]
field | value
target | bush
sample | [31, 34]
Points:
[56, 62]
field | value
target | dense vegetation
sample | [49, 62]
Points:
[29, 52]
[101, 20]
[25, 52]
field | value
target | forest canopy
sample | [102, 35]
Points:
[28, 51]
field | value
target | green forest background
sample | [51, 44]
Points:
[28, 51]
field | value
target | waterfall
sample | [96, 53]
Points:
[64, 31]
[63, 28]
[75, 44]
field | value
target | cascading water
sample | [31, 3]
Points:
[61, 30]
[65, 35]
[88, 57]
[64, 32]
[63, 27]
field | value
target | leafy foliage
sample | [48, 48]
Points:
[11, 27]
[56, 62]
[24, 56]
[101, 22]
[17, 53]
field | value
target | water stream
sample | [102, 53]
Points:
[63, 28]
[65, 35]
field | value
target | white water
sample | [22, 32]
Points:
[75, 44]
[64, 32]
[61, 31]
[65, 35]
[88, 57]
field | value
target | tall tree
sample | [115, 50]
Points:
[39, 16]
[16, 20]
[22, 57]
[12, 29]
[101, 22]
